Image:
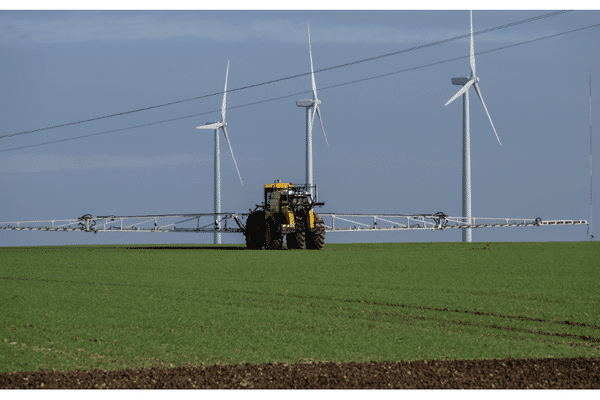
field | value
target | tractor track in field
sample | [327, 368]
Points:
[547, 373]
[583, 338]
[480, 313]
[66, 281]
[490, 314]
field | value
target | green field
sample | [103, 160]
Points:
[110, 307]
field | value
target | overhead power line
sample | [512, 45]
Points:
[304, 92]
[552, 14]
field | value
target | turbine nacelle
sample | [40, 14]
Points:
[462, 81]
[307, 103]
[212, 125]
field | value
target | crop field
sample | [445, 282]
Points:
[123, 307]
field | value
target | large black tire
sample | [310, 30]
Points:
[255, 230]
[297, 239]
[273, 235]
[315, 238]
[291, 241]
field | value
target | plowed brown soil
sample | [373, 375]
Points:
[550, 373]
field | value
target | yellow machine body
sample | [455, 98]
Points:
[276, 203]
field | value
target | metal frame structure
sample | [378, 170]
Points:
[334, 222]
[437, 221]
[138, 223]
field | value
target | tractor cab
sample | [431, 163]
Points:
[277, 196]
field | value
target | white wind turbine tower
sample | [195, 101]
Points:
[309, 105]
[216, 126]
[466, 83]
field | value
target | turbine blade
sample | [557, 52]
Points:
[215, 125]
[472, 53]
[232, 156]
[312, 72]
[316, 109]
[486, 111]
[224, 95]
[461, 91]
[319, 112]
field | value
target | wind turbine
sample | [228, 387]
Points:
[216, 126]
[466, 83]
[309, 105]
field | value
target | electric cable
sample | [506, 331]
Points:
[552, 14]
[305, 92]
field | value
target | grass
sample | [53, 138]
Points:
[111, 307]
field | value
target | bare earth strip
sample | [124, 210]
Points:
[548, 373]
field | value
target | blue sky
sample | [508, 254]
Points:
[393, 145]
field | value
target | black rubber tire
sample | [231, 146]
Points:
[291, 241]
[273, 235]
[315, 238]
[255, 230]
[297, 239]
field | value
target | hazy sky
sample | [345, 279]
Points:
[393, 145]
